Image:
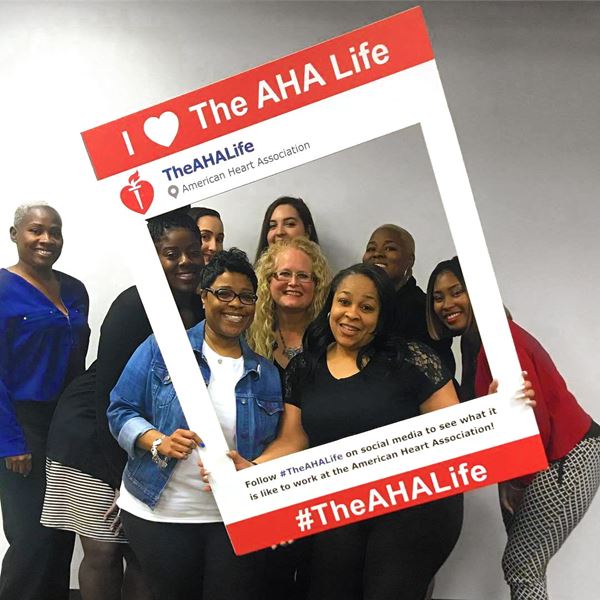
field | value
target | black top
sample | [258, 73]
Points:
[79, 436]
[411, 323]
[380, 394]
[281, 370]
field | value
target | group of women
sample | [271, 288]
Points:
[292, 359]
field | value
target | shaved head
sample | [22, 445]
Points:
[392, 248]
[407, 240]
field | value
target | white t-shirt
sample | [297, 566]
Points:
[183, 500]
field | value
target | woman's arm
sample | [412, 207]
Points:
[13, 446]
[526, 392]
[442, 398]
[124, 328]
[483, 379]
[178, 445]
[510, 494]
[84, 336]
[130, 411]
[291, 436]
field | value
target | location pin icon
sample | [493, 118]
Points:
[173, 191]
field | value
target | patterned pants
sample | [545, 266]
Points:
[552, 506]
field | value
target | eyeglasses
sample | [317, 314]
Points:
[287, 276]
[227, 295]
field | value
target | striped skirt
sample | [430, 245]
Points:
[77, 502]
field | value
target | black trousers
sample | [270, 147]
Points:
[193, 561]
[286, 572]
[37, 563]
[386, 558]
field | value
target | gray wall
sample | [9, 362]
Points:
[522, 82]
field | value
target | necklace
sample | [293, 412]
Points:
[289, 353]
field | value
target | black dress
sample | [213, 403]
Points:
[85, 461]
[395, 555]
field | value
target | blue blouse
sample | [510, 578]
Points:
[40, 348]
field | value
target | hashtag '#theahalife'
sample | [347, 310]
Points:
[304, 519]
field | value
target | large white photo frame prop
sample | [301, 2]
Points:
[346, 91]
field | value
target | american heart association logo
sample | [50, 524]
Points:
[138, 195]
[162, 130]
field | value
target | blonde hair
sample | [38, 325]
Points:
[261, 334]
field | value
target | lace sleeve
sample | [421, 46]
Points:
[428, 363]
[297, 369]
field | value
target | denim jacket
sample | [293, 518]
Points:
[144, 399]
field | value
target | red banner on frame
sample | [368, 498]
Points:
[461, 474]
[344, 92]
[337, 65]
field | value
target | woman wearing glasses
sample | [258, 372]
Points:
[176, 530]
[353, 376]
[293, 276]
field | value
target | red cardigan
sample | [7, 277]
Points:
[560, 419]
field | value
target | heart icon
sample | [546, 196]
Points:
[138, 195]
[162, 130]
